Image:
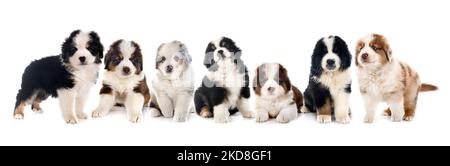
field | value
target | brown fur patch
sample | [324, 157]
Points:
[142, 88]
[106, 89]
[298, 98]
[358, 48]
[20, 108]
[36, 106]
[136, 58]
[204, 112]
[284, 78]
[325, 109]
[428, 87]
[380, 45]
[259, 79]
[113, 56]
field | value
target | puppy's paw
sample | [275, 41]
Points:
[70, 119]
[205, 113]
[221, 116]
[324, 118]
[37, 110]
[155, 112]
[387, 112]
[408, 118]
[343, 119]
[97, 114]
[180, 118]
[397, 118]
[262, 117]
[304, 109]
[135, 117]
[368, 119]
[247, 114]
[82, 115]
[18, 116]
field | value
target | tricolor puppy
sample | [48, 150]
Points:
[68, 76]
[382, 78]
[124, 81]
[276, 97]
[329, 85]
[225, 88]
[173, 85]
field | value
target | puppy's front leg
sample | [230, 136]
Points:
[165, 104]
[182, 107]
[244, 108]
[82, 96]
[370, 103]
[262, 114]
[221, 113]
[107, 101]
[342, 108]
[66, 102]
[397, 109]
[287, 114]
[134, 103]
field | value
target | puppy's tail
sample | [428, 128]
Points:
[428, 87]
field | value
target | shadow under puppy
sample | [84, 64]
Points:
[124, 82]
[329, 85]
[173, 85]
[225, 88]
[276, 97]
[68, 76]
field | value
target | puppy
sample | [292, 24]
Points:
[173, 85]
[329, 85]
[68, 76]
[276, 97]
[225, 88]
[124, 82]
[382, 78]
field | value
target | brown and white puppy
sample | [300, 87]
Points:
[124, 81]
[276, 97]
[382, 78]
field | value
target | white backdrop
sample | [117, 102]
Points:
[266, 31]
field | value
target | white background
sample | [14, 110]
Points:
[266, 31]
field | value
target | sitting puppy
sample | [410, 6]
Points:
[124, 83]
[173, 85]
[329, 85]
[225, 88]
[383, 78]
[68, 76]
[275, 96]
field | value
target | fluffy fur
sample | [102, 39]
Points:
[68, 76]
[329, 85]
[173, 85]
[124, 83]
[382, 78]
[276, 97]
[225, 88]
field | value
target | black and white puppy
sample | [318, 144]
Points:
[124, 81]
[173, 85]
[276, 97]
[225, 88]
[329, 85]
[68, 76]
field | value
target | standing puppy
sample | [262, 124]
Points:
[173, 85]
[225, 88]
[383, 78]
[276, 97]
[329, 85]
[124, 83]
[68, 76]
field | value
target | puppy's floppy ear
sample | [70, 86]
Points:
[256, 83]
[340, 47]
[185, 52]
[108, 58]
[209, 56]
[97, 46]
[67, 48]
[284, 78]
[138, 53]
[383, 43]
[157, 54]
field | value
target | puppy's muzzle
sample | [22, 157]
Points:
[169, 69]
[331, 64]
[126, 70]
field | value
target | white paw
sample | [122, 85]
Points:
[155, 112]
[167, 113]
[262, 117]
[179, 118]
[368, 119]
[82, 115]
[221, 116]
[135, 117]
[37, 110]
[70, 119]
[18, 116]
[408, 118]
[97, 114]
[343, 119]
[247, 114]
[324, 118]
[397, 118]
[304, 109]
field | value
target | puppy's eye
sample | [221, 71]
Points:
[162, 59]
[176, 58]
[90, 49]
[73, 49]
[375, 48]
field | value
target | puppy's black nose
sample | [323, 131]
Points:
[126, 70]
[82, 59]
[330, 62]
[364, 56]
[169, 69]
[270, 89]
[220, 51]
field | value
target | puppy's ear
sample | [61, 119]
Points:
[344, 54]
[185, 52]
[138, 53]
[108, 59]
[157, 54]
[284, 78]
[67, 48]
[209, 56]
[256, 83]
[97, 47]
[382, 42]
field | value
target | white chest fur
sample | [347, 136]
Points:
[336, 81]
[85, 76]
[173, 87]
[122, 85]
[228, 76]
[380, 82]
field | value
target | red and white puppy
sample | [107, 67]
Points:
[124, 81]
[382, 78]
[276, 97]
